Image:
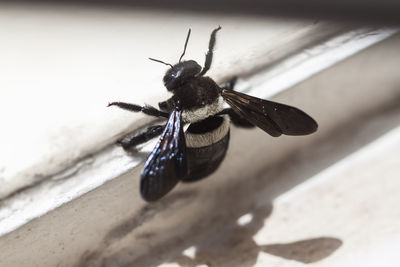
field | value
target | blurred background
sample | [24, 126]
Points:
[71, 196]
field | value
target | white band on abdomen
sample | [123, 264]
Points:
[206, 139]
[198, 114]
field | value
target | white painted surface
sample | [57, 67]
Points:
[94, 170]
[354, 200]
[112, 226]
[61, 65]
[226, 219]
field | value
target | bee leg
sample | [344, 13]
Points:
[165, 106]
[135, 139]
[147, 109]
[209, 55]
[236, 119]
[230, 84]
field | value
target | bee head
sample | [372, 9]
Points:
[180, 73]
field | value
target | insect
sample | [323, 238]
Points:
[199, 102]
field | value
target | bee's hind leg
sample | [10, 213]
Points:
[236, 119]
[230, 84]
[132, 140]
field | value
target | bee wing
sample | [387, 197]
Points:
[272, 117]
[166, 164]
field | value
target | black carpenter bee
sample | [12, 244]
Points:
[198, 101]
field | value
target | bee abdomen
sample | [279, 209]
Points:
[207, 143]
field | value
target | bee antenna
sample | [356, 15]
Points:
[184, 48]
[159, 61]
